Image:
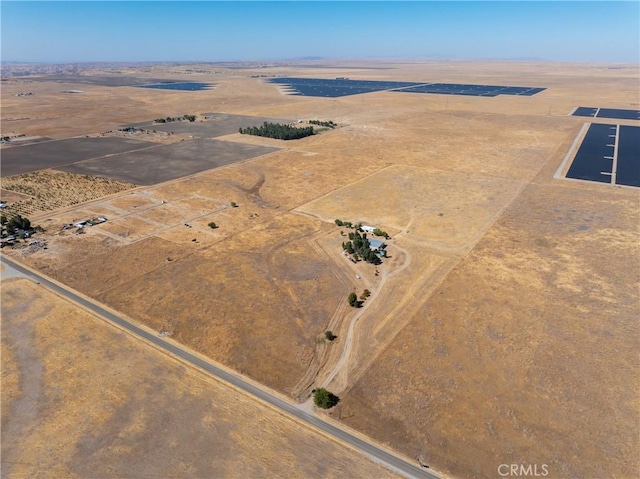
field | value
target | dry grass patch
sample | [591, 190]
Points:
[11, 197]
[184, 237]
[440, 209]
[131, 202]
[199, 205]
[266, 286]
[129, 228]
[526, 352]
[167, 214]
[65, 249]
[82, 399]
[49, 190]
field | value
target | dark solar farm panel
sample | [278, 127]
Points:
[585, 111]
[471, 90]
[344, 87]
[613, 113]
[594, 160]
[334, 88]
[608, 154]
[183, 86]
[628, 168]
[618, 114]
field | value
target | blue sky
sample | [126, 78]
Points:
[227, 31]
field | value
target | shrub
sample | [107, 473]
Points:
[324, 399]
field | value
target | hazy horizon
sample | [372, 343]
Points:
[151, 32]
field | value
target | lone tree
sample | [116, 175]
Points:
[212, 225]
[329, 335]
[353, 300]
[324, 399]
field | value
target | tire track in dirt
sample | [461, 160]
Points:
[253, 192]
[20, 337]
[340, 370]
[302, 389]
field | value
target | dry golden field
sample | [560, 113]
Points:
[503, 327]
[83, 399]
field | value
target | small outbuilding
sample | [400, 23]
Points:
[376, 245]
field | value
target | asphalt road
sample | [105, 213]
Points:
[377, 454]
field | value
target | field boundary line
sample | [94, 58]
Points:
[296, 208]
[614, 166]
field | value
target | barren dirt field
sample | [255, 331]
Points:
[501, 329]
[83, 399]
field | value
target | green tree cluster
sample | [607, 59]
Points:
[379, 232]
[324, 399]
[170, 119]
[329, 124]
[17, 222]
[346, 224]
[278, 131]
[359, 244]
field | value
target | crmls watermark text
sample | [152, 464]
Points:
[523, 470]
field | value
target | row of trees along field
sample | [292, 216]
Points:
[328, 124]
[170, 119]
[278, 131]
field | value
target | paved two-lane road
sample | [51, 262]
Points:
[377, 454]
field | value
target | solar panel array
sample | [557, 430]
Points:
[472, 90]
[333, 88]
[184, 86]
[608, 154]
[613, 113]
